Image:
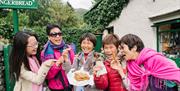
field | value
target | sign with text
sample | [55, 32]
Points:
[19, 4]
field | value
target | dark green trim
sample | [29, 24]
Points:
[15, 21]
[172, 30]
[177, 61]
[9, 83]
[157, 36]
[98, 42]
[166, 22]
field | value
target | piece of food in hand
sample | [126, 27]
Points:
[113, 55]
[80, 76]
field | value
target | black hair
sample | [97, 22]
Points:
[90, 36]
[51, 26]
[132, 40]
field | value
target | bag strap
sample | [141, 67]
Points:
[62, 79]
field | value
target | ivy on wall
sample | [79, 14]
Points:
[104, 12]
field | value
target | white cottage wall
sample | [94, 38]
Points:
[135, 19]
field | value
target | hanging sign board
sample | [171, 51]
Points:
[19, 4]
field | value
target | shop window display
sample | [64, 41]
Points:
[169, 41]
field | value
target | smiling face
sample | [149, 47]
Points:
[128, 54]
[86, 45]
[32, 46]
[131, 45]
[110, 50]
[55, 36]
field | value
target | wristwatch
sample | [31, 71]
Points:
[123, 78]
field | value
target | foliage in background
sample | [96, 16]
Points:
[70, 35]
[104, 12]
[53, 11]
[49, 11]
[6, 27]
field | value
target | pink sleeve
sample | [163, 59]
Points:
[101, 82]
[53, 71]
[42, 56]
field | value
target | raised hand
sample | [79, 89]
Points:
[49, 62]
[96, 69]
[65, 53]
[59, 61]
[115, 64]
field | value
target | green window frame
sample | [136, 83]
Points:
[159, 34]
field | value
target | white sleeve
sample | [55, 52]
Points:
[37, 78]
[126, 82]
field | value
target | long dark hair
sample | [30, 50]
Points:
[18, 54]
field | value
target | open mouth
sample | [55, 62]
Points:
[123, 56]
[109, 56]
[57, 41]
[34, 51]
[86, 48]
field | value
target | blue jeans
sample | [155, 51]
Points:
[79, 88]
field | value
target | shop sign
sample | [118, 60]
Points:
[18, 4]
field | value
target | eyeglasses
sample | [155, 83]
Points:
[34, 45]
[55, 34]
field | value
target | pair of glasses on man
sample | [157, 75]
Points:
[55, 34]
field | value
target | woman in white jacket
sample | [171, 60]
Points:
[25, 67]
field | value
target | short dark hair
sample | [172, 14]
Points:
[90, 36]
[51, 26]
[132, 40]
[111, 39]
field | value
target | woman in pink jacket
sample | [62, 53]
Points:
[57, 49]
[146, 65]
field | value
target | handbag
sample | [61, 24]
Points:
[66, 88]
[157, 84]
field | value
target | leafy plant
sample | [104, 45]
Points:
[104, 12]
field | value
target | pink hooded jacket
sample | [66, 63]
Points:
[54, 83]
[155, 64]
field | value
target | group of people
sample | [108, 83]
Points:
[129, 66]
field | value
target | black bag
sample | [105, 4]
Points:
[157, 84]
[66, 88]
